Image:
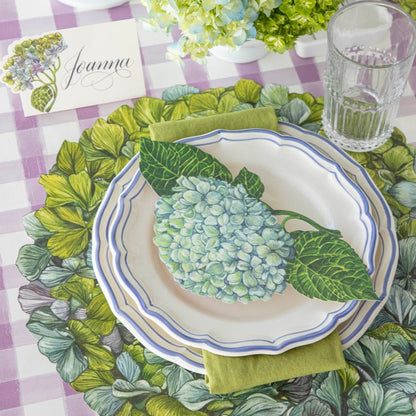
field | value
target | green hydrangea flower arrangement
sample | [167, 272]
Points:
[218, 239]
[208, 23]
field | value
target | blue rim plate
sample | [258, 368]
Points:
[154, 338]
[297, 177]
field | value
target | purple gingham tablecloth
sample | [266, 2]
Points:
[29, 383]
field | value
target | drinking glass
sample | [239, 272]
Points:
[371, 47]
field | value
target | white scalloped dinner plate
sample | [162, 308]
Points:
[157, 340]
[296, 177]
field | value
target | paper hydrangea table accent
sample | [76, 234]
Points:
[218, 238]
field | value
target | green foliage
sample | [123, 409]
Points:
[41, 97]
[327, 268]
[163, 163]
[292, 19]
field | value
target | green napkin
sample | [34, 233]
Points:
[228, 374]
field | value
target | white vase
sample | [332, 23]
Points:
[93, 4]
[250, 51]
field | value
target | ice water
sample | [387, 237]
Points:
[361, 105]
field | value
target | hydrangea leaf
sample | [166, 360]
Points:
[41, 97]
[34, 228]
[400, 161]
[148, 110]
[259, 404]
[405, 193]
[126, 389]
[274, 95]
[163, 405]
[310, 407]
[330, 390]
[91, 379]
[247, 91]
[176, 110]
[251, 181]
[123, 117]
[71, 233]
[383, 363]
[46, 317]
[70, 158]
[128, 367]
[163, 163]
[327, 268]
[99, 358]
[349, 377]
[107, 137]
[176, 377]
[178, 91]
[227, 102]
[76, 287]
[202, 102]
[32, 260]
[295, 111]
[194, 395]
[370, 399]
[103, 402]
[59, 346]
[99, 316]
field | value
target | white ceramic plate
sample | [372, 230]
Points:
[190, 358]
[296, 177]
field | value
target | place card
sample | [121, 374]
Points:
[76, 67]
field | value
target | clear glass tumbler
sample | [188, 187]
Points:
[371, 47]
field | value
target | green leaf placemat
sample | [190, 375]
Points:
[118, 376]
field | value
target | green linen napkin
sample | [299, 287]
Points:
[228, 374]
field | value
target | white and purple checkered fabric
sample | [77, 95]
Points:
[29, 383]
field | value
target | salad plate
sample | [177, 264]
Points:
[296, 178]
[157, 340]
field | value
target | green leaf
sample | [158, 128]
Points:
[83, 334]
[59, 347]
[70, 158]
[194, 394]
[99, 358]
[128, 367]
[176, 377]
[202, 102]
[295, 111]
[400, 161]
[370, 399]
[123, 117]
[311, 407]
[168, 406]
[405, 193]
[41, 97]
[148, 110]
[126, 389]
[162, 163]
[247, 91]
[178, 91]
[176, 110]
[251, 182]
[71, 233]
[107, 137]
[388, 331]
[99, 316]
[45, 317]
[260, 404]
[76, 287]
[103, 402]
[32, 260]
[91, 379]
[273, 95]
[34, 228]
[227, 102]
[330, 390]
[55, 275]
[349, 377]
[327, 268]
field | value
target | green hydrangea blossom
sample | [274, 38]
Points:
[218, 241]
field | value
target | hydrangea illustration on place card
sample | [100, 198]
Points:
[34, 63]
